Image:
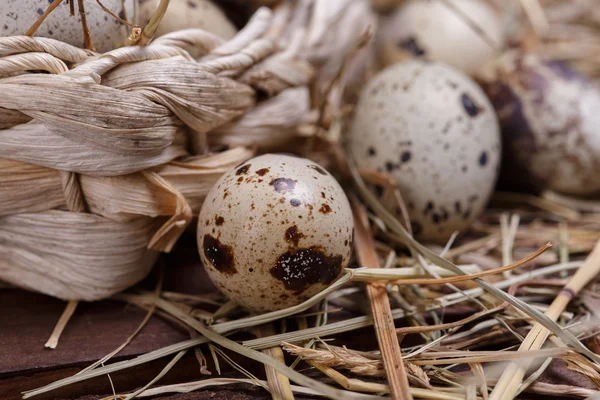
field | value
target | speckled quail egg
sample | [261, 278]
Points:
[432, 129]
[441, 30]
[107, 33]
[550, 120]
[185, 14]
[275, 231]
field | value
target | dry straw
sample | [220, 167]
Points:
[508, 385]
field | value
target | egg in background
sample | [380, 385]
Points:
[432, 129]
[441, 30]
[186, 14]
[17, 16]
[550, 119]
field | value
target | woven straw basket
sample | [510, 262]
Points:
[106, 158]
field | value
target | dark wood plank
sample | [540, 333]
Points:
[94, 330]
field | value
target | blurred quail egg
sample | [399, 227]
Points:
[549, 115]
[433, 130]
[185, 14]
[275, 231]
[441, 30]
[107, 33]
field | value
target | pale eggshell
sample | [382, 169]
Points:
[17, 16]
[432, 129]
[185, 14]
[436, 31]
[550, 120]
[275, 231]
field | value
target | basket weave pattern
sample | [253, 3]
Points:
[104, 157]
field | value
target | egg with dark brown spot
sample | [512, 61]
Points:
[281, 235]
[432, 129]
[462, 33]
[549, 115]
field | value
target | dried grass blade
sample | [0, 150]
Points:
[395, 226]
[152, 26]
[141, 326]
[197, 385]
[388, 273]
[273, 315]
[295, 376]
[238, 367]
[165, 238]
[585, 205]
[472, 245]
[162, 373]
[61, 324]
[534, 377]
[118, 366]
[364, 321]
[31, 31]
[278, 383]
[535, 14]
[511, 379]
[538, 202]
[364, 275]
[495, 356]
[380, 307]
[469, 319]
[189, 387]
[350, 384]
[339, 327]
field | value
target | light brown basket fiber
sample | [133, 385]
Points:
[106, 158]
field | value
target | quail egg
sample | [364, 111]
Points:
[448, 31]
[185, 14]
[107, 33]
[275, 231]
[431, 128]
[549, 117]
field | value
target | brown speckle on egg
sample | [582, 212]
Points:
[262, 171]
[325, 209]
[219, 255]
[292, 235]
[299, 269]
[242, 170]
